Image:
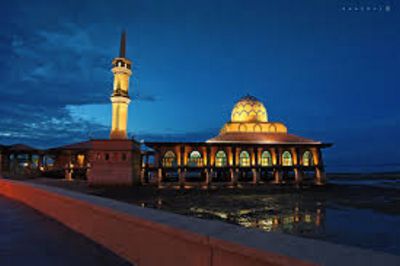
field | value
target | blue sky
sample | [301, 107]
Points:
[328, 73]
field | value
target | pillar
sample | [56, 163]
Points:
[183, 156]
[234, 157]
[208, 156]
[277, 159]
[256, 176]
[181, 175]
[157, 159]
[234, 176]
[318, 218]
[277, 176]
[142, 175]
[207, 174]
[159, 177]
[320, 176]
[297, 175]
[253, 157]
[69, 169]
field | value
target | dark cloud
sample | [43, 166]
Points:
[43, 70]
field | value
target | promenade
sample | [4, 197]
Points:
[30, 238]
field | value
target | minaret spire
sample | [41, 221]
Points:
[120, 96]
[122, 47]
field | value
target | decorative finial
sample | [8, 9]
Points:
[122, 47]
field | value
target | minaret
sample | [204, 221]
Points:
[120, 97]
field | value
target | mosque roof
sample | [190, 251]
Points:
[261, 138]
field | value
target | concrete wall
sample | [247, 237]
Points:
[114, 162]
[152, 237]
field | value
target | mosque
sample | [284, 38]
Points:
[249, 149]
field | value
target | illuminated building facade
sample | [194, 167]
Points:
[248, 149]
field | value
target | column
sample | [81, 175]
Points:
[256, 176]
[277, 176]
[234, 169]
[207, 174]
[208, 156]
[182, 154]
[159, 177]
[277, 168]
[142, 174]
[69, 169]
[157, 158]
[253, 157]
[234, 157]
[181, 175]
[278, 158]
[297, 175]
[320, 176]
[297, 168]
[259, 153]
[234, 176]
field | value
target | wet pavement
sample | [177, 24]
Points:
[30, 238]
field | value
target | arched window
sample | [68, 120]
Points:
[244, 159]
[220, 159]
[195, 159]
[308, 158]
[287, 158]
[169, 159]
[266, 159]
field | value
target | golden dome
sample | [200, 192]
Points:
[249, 109]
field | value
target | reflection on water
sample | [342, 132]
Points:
[294, 221]
[306, 214]
[305, 221]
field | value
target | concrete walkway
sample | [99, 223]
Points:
[29, 238]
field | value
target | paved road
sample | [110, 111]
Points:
[30, 238]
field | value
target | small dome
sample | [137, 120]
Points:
[249, 109]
